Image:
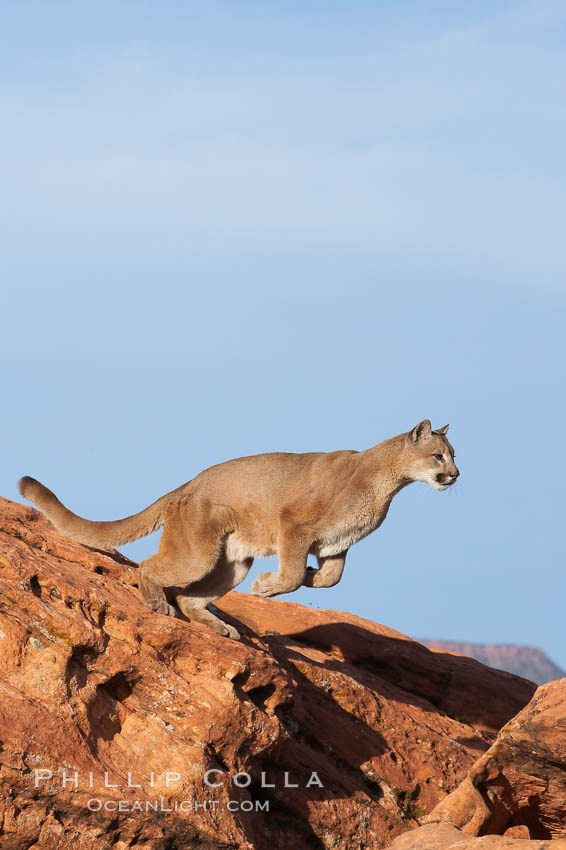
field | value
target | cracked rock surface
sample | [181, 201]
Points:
[446, 837]
[520, 782]
[103, 700]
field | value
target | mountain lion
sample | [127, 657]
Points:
[289, 504]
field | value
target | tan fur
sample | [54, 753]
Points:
[285, 504]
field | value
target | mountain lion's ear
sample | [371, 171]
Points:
[421, 430]
[442, 431]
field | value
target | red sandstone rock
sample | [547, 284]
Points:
[91, 681]
[521, 779]
[446, 837]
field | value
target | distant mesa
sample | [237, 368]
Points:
[525, 661]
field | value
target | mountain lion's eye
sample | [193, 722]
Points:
[439, 456]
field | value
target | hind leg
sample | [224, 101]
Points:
[151, 587]
[188, 551]
[193, 601]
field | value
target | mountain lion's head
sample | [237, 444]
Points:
[431, 457]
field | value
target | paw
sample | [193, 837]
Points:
[163, 607]
[310, 577]
[266, 584]
[229, 631]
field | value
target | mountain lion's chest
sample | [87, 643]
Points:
[342, 535]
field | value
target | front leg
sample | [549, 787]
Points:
[329, 571]
[293, 553]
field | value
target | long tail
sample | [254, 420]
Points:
[102, 535]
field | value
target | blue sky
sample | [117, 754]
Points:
[233, 228]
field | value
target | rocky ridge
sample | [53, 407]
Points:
[319, 729]
[520, 782]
